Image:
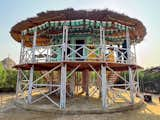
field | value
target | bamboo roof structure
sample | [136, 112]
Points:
[45, 19]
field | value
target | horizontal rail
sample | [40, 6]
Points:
[80, 52]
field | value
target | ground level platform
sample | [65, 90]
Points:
[83, 65]
[80, 105]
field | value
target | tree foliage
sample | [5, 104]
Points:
[151, 82]
[2, 75]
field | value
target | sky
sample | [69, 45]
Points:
[147, 11]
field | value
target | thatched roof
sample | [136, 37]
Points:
[71, 14]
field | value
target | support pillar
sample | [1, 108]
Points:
[63, 86]
[72, 85]
[18, 84]
[32, 68]
[21, 52]
[128, 47]
[64, 43]
[104, 87]
[102, 42]
[30, 85]
[138, 83]
[100, 85]
[131, 85]
[50, 76]
[85, 80]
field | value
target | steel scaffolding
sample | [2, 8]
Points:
[26, 84]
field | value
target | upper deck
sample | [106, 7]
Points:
[78, 39]
[77, 53]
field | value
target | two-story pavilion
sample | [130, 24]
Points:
[69, 45]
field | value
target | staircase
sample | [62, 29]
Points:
[112, 78]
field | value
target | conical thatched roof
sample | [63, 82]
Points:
[71, 14]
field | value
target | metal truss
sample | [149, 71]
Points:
[28, 86]
[130, 87]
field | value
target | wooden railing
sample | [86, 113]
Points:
[78, 52]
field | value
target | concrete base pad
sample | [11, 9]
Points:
[80, 105]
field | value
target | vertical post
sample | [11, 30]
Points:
[104, 44]
[72, 85]
[102, 41]
[104, 86]
[134, 47]
[85, 80]
[21, 52]
[50, 76]
[32, 68]
[18, 83]
[100, 85]
[138, 83]
[63, 45]
[34, 45]
[101, 35]
[64, 42]
[30, 85]
[128, 47]
[63, 86]
[131, 84]
[47, 57]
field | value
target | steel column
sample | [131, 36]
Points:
[128, 47]
[72, 85]
[32, 68]
[63, 86]
[104, 86]
[18, 84]
[30, 85]
[131, 85]
[64, 42]
[21, 52]
[102, 42]
[138, 83]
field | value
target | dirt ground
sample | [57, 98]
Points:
[146, 112]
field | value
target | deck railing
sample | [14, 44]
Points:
[78, 52]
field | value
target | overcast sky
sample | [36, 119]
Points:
[147, 11]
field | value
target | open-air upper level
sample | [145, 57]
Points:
[79, 47]
[75, 35]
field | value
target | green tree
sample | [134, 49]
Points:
[2, 75]
[11, 78]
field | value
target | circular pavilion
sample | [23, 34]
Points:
[77, 52]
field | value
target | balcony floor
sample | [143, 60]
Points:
[83, 65]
